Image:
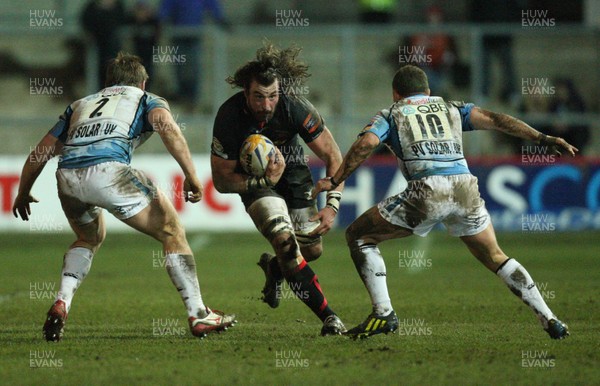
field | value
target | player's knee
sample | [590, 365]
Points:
[497, 256]
[287, 251]
[172, 232]
[284, 244]
[312, 252]
[91, 235]
[352, 234]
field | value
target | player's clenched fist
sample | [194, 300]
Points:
[193, 190]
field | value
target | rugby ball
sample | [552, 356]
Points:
[255, 153]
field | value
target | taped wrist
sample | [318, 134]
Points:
[255, 183]
[333, 200]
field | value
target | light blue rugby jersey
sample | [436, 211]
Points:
[106, 126]
[425, 133]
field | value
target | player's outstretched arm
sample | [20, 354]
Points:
[170, 133]
[37, 159]
[360, 150]
[325, 147]
[482, 119]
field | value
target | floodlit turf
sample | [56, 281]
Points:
[459, 324]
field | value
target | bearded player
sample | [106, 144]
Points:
[95, 139]
[425, 133]
[279, 203]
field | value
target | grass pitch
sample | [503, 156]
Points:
[459, 323]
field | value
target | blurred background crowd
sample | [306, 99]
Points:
[538, 60]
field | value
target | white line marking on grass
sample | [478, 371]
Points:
[422, 262]
[199, 242]
[9, 297]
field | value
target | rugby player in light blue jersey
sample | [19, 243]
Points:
[95, 139]
[425, 134]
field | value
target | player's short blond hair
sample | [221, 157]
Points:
[126, 70]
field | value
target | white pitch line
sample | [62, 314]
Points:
[199, 242]
[8, 297]
[423, 244]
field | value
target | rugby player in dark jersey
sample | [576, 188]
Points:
[280, 202]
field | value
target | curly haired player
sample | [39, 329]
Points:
[279, 203]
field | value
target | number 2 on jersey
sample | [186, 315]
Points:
[104, 107]
[97, 112]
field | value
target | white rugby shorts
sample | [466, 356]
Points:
[114, 186]
[451, 200]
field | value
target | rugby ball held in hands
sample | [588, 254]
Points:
[255, 153]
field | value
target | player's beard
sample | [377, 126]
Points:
[264, 116]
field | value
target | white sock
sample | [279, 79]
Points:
[371, 268]
[182, 270]
[521, 284]
[76, 265]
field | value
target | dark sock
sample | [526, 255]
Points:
[305, 284]
[274, 269]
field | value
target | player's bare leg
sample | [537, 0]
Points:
[312, 252]
[362, 237]
[159, 220]
[484, 247]
[311, 248]
[271, 217]
[76, 265]
[78, 259]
